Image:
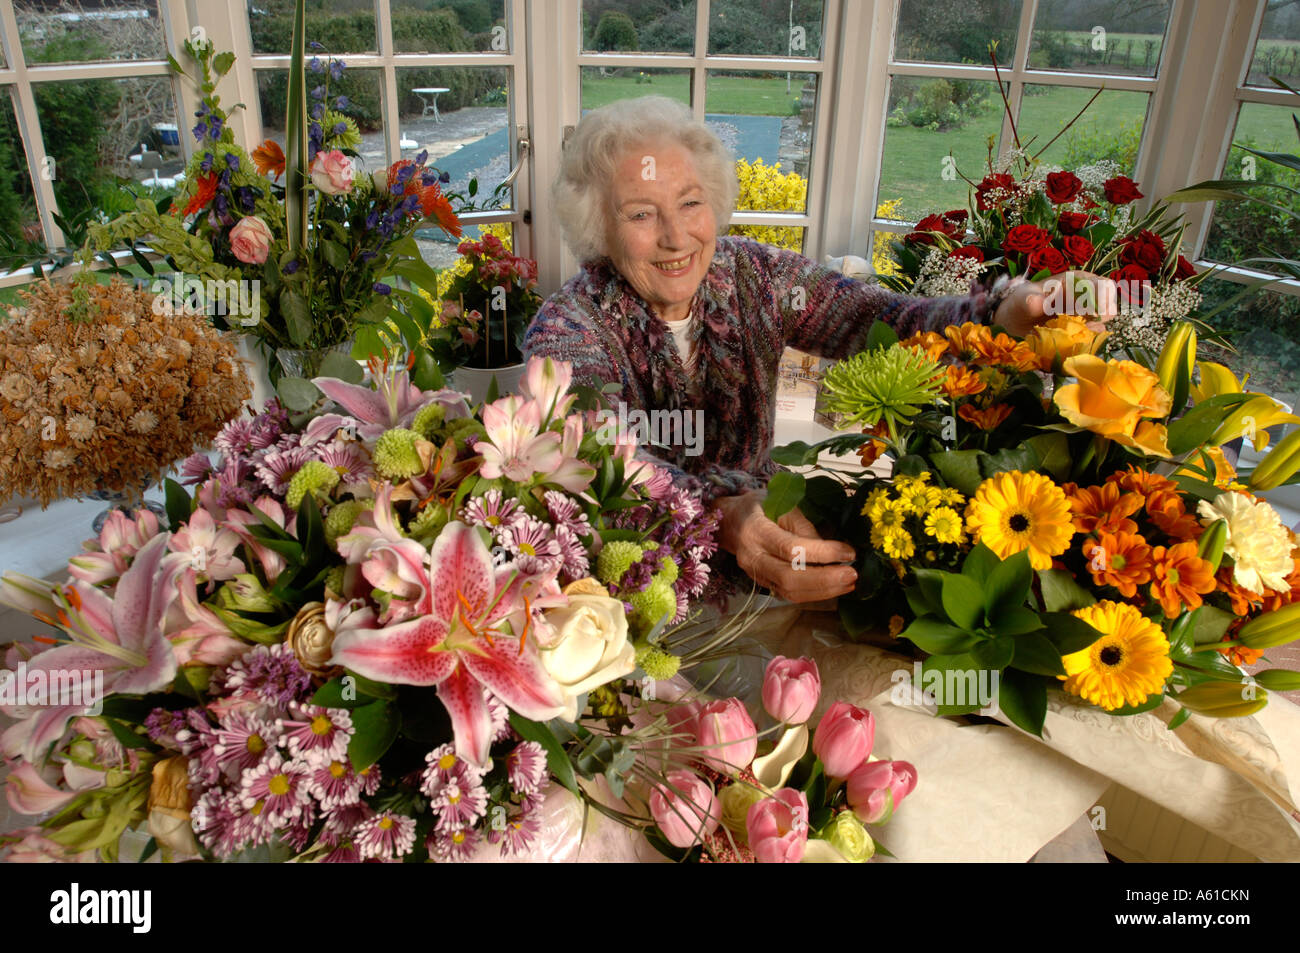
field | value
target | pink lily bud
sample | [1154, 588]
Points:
[778, 827]
[877, 788]
[791, 688]
[687, 810]
[726, 731]
[844, 738]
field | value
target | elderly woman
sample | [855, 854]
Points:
[682, 319]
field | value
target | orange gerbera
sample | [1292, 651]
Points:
[1168, 511]
[962, 381]
[1122, 560]
[205, 193]
[1180, 578]
[934, 345]
[987, 419]
[1105, 508]
[1006, 351]
[269, 159]
[966, 338]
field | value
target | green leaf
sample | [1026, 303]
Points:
[557, 759]
[1053, 451]
[375, 728]
[1209, 624]
[311, 530]
[1178, 719]
[126, 736]
[178, 503]
[880, 335]
[295, 148]
[1008, 584]
[1036, 653]
[1069, 633]
[963, 602]
[297, 316]
[1061, 593]
[980, 562]
[1023, 699]
[376, 310]
[1197, 425]
[342, 367]
[960, 469]
[1015, 621]
[930, 582]
[1152, 702]
[222, 62]
[933, 635]
[784, 491]
[298, 393]
[336, 256]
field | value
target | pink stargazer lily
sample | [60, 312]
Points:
[394, 404]
[119, 635]
[389, 561]
[462, 642]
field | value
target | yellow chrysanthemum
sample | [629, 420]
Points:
[1014, 511]
[944, 524]
[875, 499]
[889, 514]
[1126, 665]
[951, 496]
[898, 544]
[920, 499]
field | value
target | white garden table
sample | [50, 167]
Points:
[429, 96]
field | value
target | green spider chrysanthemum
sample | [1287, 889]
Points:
[891, 383]
[348, 138]
[429, 522]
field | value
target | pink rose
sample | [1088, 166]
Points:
[844, 738]
[331, 172]
[687, 810]
[250, 240]
[877, 788]
[791, 688]
[778, 827]
[726, 731]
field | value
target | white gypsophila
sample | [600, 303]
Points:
[942, 274]
[1135, 326]
[1173, 302]
[1011, 161]
[1094, 175]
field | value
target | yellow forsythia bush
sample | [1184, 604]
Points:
[765, 188]
[881, 260]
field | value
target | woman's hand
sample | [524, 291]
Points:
[1073, 292]
[787, 556]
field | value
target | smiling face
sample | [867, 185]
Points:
[664, 231]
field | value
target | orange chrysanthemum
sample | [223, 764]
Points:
[1240, 654]
[986, 419]
[870, 451]
[1180, 578]
[1142, 482]
[1168, 511]
[1122, 560]
[934, 345]
[1274, 600]
[965, 339]
[269, 159]
[962, 381]
[1244, 601]
[1006, 351]
[1105, 508]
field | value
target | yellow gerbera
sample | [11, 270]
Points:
[1126, 665]
[944, 524]
[1015, 511]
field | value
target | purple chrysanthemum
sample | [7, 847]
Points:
[349, 459]
[271, 671]
[446, 767]
[334, 784]
[489, 510]
[241, 742]
[521, 830]
[574, 555]
[276, 469]
[275, 790]
[533, 546]
[196, 468]
[459, 806]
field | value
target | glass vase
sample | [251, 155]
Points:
[306, 362]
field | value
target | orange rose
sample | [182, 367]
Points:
[1111, 398]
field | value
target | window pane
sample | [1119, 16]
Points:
[355, 93]
[602, 85]
[467, 134]
[1111, 128]
[929, 119]
[770, 135]
[1120, 37]
[347, 26]
[1265, 330]
[75, 33]
[651, 26]
[18, 217]
[1277, 51]
[450, 26]
[1242, 230]
[956, 31]
[93, 128]
[766, 27]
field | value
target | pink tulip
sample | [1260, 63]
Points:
[877, 788]
[791, 688]
[331, 172]
[843, 739]
[726, 731]
[250, 240]
[778, 827]
[687, 810]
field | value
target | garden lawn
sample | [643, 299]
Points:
[739, 95]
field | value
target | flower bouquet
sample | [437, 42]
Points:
[108, 397]
[372, 632]
[1096, 540]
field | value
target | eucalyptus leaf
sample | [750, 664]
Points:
[342, 367]
[298, 393]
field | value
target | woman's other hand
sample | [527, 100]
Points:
[1073, 292]
[787, 556]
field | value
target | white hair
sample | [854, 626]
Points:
[582, 193]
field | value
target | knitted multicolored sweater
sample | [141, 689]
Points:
[754, 301]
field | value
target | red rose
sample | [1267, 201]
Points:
[997, 181]
[1146, 249]
[1071, 223]
[967, 251]
[932, 223]
[1062, 187]
[1046, 258]
[1025, 239]
[1077, 249]
[956, 217]
[1130, 279]
[1121, 190]
[1184, 270]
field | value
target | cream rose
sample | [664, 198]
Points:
[332, 172]
[250, 240]
[588, 646]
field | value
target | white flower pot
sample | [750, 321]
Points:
[476, 380]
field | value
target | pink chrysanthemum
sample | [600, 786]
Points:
[533, 546]
[213, 818]
[196, 468]
[334, 784]
[574, 555]
[386, 836]
[240, 743]
[565, 511]
[317, 734]
[526, 767]
[446, 767]
[453, 846]
[342, 821]
[459, 806]
[489, 510]
[369, 779]
[349, 460]
[272, 671]
[345, 852]
[684, 506]
[694, 574]
[521, 830]
[276, 469]
[275, 790]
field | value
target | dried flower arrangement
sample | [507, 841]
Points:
[111, 401]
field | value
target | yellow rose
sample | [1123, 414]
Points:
[588, 645]
[1110, 398]
[1063, 337]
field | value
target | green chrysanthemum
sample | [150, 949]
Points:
[652, 604]
[334, 580]
[314, 477]
[349, 138]
[657, 663]
[429, 522]
[428, 419]
[462, 428]
[892, 384]
[615, 559]
[340, 519]
[395, 455]
[668, 570]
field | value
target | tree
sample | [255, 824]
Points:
[615, 31]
